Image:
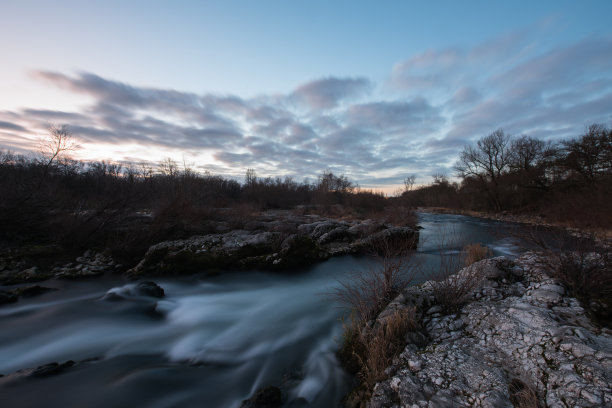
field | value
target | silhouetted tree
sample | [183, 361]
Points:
[487, 162]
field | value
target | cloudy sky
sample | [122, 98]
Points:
[373, 90]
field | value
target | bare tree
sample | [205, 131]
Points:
[59, 141]
[529, 159]
[590, 155]
[250, 178]
[409, 182]
[168, 167]
[487, 162]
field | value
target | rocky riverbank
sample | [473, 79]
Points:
[519, 341]
[273, 240]
[275, 243]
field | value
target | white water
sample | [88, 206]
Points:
[210, 342]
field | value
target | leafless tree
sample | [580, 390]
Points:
[529, 159]
[487, 162]
[59, 141]
[168, 167]
[409, 182]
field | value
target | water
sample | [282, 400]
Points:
[211, 342]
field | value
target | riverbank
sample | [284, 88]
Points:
[520, 340]
[272, 240]
[602, 236]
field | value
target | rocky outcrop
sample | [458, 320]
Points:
[16, 269]
[89, 264]
[282, 243]
[519, 334]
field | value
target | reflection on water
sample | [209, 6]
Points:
[210, 342]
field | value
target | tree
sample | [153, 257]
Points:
[529, 161]
[329, 182]
[250, 178]
[59, 141]
[168, 167]
[487, 162]
[590, 156]
[409, 182]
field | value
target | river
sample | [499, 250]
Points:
[210, 342]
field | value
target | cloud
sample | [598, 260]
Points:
[439, 101]
[327, 93]
[393, 116]
[426, 70]
[12, 126]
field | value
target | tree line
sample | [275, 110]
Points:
[569, 180]
[51, 198]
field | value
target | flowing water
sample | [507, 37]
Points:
[210, 342]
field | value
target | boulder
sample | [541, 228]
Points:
[267, 397]
[7, 297]
[149, 288]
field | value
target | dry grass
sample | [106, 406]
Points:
[522, 395]
[475, 252]
[453, 290]
[368, 348]
[366, 292]
[369, 351]
[581, 266]
[383, 343]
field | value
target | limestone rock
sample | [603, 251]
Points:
[529, 333]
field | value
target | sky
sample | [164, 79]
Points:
[376, 91]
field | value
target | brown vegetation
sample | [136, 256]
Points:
[51, 199]
[474, 252]
[582, 267]
[522, 395]
[370, 351]
[569, 182]
[368, 344]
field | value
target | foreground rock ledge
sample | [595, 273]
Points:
[280, 242]
[519, 328]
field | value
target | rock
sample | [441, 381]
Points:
[149, 288]
[267, 397]
[7, 297]
[291, 242]
[33, 274]
[33, 290]
[339, 234]
[531, 331]
[88, 265]
[392, 239]
[51, 369]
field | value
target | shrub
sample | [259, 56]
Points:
[522, 395]
[369, 351]
[581, 266]
[452, 290]
[368, 291]
[474, 252]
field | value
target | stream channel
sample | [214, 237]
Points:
[210, 342]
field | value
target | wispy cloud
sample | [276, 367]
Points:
[439, 100]
[329, 92]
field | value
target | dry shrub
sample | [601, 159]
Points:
[582, 267]
[369, 351]
[368, 291]
[475, 252]
[453, 290]
[523, 395]
[384, 342]
[368, 348]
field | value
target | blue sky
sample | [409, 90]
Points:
[374, 90]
